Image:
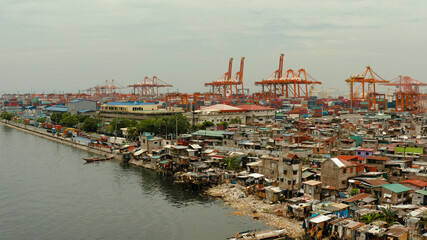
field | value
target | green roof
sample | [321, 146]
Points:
[209, 133]
[396, 187]
[423, 192]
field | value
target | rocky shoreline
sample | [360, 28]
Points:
[274, 215]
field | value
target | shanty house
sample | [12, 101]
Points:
[336, 172]
[290, 173]
[394, 194]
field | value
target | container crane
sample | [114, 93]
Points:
[363, 87]
[408, 95]
[148, 87]
[288, 84]
[229, 86]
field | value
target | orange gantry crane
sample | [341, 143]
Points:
[175, 98]
[186, 101]
[148, 87]
[408, 95]
[363, 87]
[106, 90]
[229, 86]
[288, 84]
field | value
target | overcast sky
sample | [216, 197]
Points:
[71, 45]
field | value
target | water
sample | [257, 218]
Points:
[48, 192]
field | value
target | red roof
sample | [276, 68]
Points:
[416, 182]
[254, 107]
[377, 182]
[357, 197]
[378, 158]
[347, 157]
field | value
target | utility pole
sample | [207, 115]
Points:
[176, 129]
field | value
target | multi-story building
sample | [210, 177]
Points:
[336, 172]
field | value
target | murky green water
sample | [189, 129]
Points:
[48, 192]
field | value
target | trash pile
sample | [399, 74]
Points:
[235, 196]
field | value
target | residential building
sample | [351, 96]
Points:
[336, 172]
[290, 173]
[394, 194]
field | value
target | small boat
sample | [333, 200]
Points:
[267, 234]
[97, 159]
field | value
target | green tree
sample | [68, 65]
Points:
[82, 118]
[223, 123]
[90, 124]
[7, 116]
[118, 123]
[354, 191]
[56, 117]
[69, 120]
[388, 215]
[371, 217]
[206, 124]
[41, 120]
[236, 121]
[231, 162]
[178, 122]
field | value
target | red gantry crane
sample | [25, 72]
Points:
[148, 87]
[363, 87]
[229, 86]
[408, 96]
[107, 90]
[289, 84]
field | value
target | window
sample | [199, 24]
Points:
[295, 172]
[281, 179]
[289, 182]
[285, 171]
[343, 182]
[351, 170]
[344, 170]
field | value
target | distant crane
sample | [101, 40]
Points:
[288, 84]
[229, 86]
[363, 87]
[148, 87]
[408, 95]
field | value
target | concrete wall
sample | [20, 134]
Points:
[75, 107]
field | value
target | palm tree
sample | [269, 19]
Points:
[388, 215]
[370, 217]
[232, 162]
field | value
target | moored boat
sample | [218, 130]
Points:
[267, 234]
[97, 159]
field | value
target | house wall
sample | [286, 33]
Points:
[363, 154]
[336, 177]
[290, 175]
[396, 198]
[75, 107]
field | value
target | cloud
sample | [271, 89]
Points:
[78, 44]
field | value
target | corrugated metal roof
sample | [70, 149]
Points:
[128, 103]
[396, 188]
[416, 182]
[357, 197]
[423, 192]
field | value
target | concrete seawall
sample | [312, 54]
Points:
[100, 151]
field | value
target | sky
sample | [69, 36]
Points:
[71, 45]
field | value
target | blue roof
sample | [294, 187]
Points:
[57, 109]
[80, 100]
[129, 103]
[86, 110]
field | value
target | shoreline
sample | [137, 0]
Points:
[231, 195]
[234, 196]
[67, 142]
